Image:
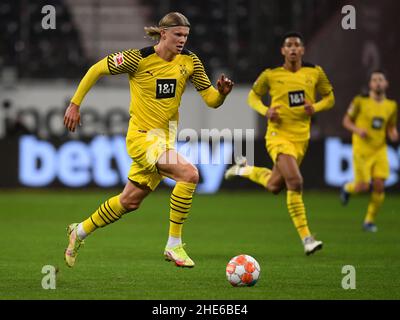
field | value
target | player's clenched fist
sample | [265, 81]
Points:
[72, 117]
[272, 114]
[224, 85]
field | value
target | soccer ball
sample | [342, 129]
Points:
[243, 270]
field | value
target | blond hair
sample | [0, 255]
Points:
[172, 19]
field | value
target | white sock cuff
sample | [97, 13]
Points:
[173, 242]
[81, 232]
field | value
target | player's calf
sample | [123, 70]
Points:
[344, 196]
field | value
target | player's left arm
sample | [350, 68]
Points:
[325, 89]
[211, 96]
[215, 98]
[392, 131]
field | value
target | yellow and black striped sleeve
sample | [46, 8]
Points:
[202, 83]
[126, 61]
[116, 63]
[199, 77]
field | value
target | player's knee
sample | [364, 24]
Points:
[361, 187]
[378, 186]
[190, 174]
[274, 188]
[294, 183]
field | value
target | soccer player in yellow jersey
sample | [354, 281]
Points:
[157, 80]
[292, 87]
[371, 118]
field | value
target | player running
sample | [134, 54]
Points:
[292, 87]
[371, 118]
[157, 80]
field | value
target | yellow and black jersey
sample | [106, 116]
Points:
[290, 90]
[373, 116]
[156, 85]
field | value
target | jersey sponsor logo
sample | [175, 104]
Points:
[165, 88]
[296, 98]
[119, 59]
[377, 123]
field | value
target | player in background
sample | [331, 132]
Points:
[157, 80]
[292, 87]
[370, 118]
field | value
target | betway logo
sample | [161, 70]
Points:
[339, 167]
[105, 163]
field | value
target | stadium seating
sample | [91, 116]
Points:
[33, 51]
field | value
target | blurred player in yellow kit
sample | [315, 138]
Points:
[371, 118]
[157, 79]
[292, 87]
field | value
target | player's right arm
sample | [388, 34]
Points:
[214, 98]
[254, 99]
[72, 115]
[350, 116]
[256, 93]
[117, 63]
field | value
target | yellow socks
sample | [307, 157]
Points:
[297, 212]
[375, 203]
[259, 175]
[180, 204]
[350, 187]
[108, 212]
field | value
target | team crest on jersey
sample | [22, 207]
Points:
[183, 70]
[309, 80]
[119, 59]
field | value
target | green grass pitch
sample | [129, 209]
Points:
[124, 260]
